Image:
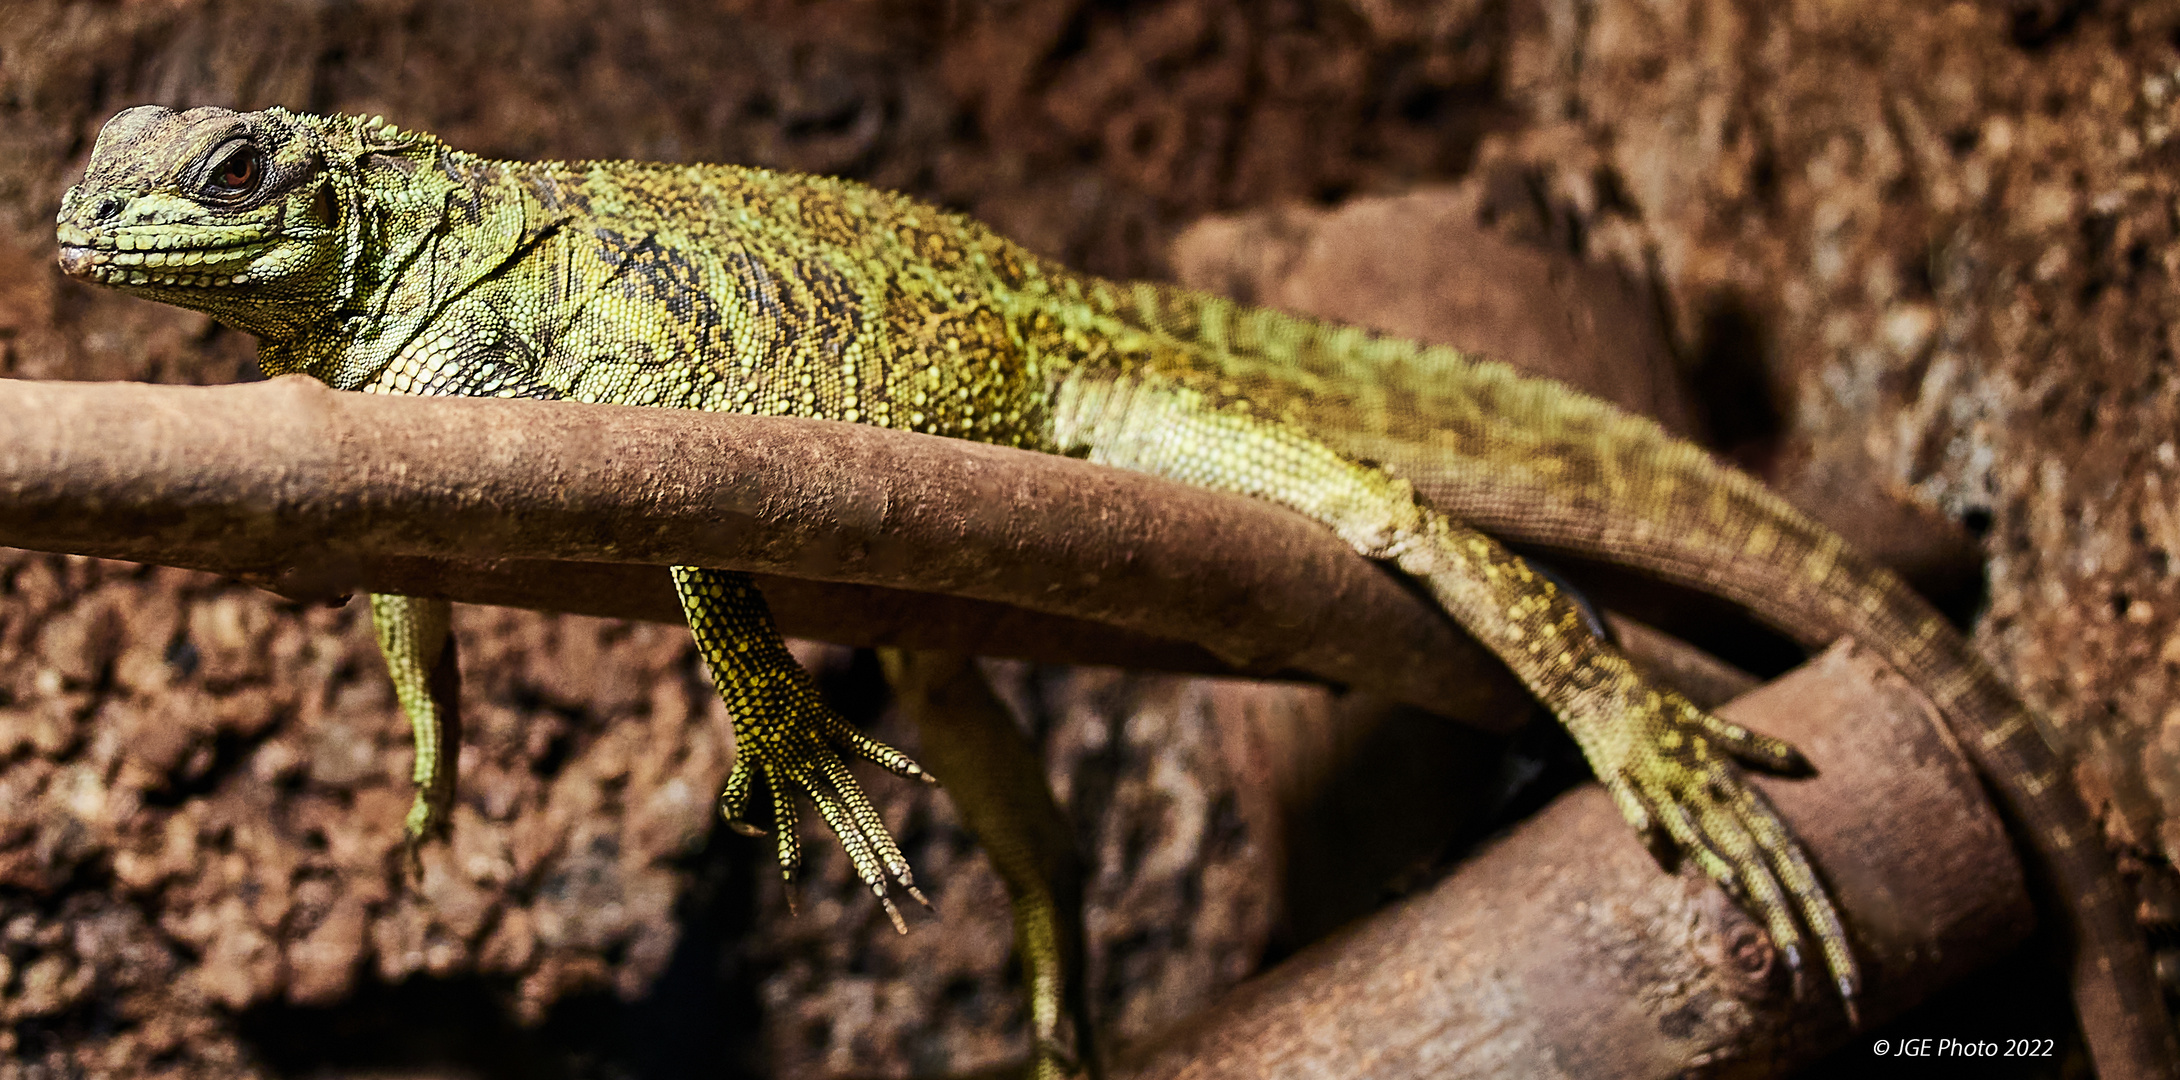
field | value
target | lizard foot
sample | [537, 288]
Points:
[805, 753]
[1674, 770]
[784, 731]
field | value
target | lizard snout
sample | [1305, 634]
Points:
[77, 261]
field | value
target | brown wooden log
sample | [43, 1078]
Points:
[1563, 951]
[323, 493]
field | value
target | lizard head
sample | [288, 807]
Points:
[235, 214]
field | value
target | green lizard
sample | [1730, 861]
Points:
[384, 261]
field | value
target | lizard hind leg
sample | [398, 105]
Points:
[786, 734]
[996, 781]
[1673, 769]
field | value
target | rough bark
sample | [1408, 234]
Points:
[295, 483]
[1562, 951]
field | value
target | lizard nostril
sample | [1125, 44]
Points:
[107, 208]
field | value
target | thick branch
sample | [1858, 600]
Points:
[1563, 951]
[319, 494]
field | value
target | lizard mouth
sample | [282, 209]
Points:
[126, 258]
[77, 261]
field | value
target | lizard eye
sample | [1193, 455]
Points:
[237, 175]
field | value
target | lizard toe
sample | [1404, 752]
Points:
[1751, 748]
[734, 799]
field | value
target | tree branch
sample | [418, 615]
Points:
[1561, 950]
[318, 494]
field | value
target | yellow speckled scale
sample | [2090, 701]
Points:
[374, 258]
[997, 783]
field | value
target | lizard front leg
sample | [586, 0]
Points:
[784, 732]
[415, 636]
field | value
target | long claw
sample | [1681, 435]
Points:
[1800, 881]
[841, 734]
[1750, 747]
[1767, 897]
[851, 838]
[871, 825]
[1849, 1000]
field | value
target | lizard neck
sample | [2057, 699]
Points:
[421, 229]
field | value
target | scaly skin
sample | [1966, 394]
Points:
[996, 781]
[415, 636]
[384, 261]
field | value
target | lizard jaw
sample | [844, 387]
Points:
[90, 264]
[124, 259]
